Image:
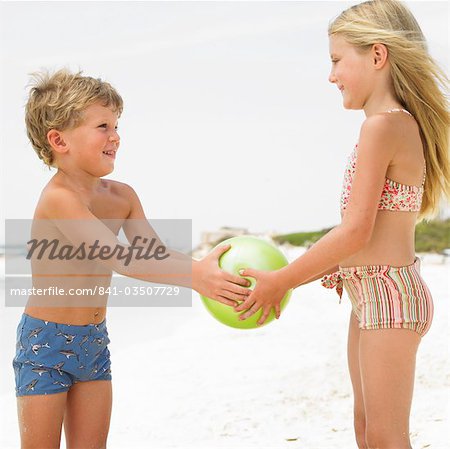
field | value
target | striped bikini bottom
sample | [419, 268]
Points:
[385, 297]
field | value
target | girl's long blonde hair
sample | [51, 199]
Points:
[419, 84]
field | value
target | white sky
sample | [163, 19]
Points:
[229, 118]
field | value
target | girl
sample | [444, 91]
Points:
[396, 174]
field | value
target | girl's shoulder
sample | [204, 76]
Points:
[395, 137]
[385, 125]
[392, 125]
[378, 137]
[390, 130]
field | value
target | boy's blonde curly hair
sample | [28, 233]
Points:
[57, 101]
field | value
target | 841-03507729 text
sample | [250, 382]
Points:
[97, 290]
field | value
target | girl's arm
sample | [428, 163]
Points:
[320, 276]
[376, 149]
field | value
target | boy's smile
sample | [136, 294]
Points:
[110, 153]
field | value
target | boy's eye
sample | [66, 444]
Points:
[103, 125]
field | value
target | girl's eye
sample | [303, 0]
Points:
[103, 125]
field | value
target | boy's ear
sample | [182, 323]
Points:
[56, 141]
[379, 55]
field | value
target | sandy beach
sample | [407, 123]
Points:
[182, 380]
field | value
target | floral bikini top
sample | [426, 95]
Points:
[395, 196]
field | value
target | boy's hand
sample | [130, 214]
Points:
[268, 293]
[210, 281]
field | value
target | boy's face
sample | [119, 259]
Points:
[92, 145]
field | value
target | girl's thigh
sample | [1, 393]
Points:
[88, 414]
[40, 420]
[353, 365]
[353, 362]
[387, 362]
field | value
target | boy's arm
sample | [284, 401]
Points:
[82, 228]
[137, 224]
[75, 221]
[207, 277]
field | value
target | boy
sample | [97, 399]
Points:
[62, 362]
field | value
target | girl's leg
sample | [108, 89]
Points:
[88, 414]
[40, 420]
[355, 375]
[387, 361]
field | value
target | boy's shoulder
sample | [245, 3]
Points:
[119, 188]
[59, 198]
[59, 190]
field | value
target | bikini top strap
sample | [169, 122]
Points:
[424, 172]
[400, 110]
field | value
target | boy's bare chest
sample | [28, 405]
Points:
[108, 206]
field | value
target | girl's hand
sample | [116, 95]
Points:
[268, 293]
[210, 281]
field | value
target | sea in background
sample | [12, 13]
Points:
[181, 380]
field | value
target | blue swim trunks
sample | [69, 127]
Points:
[51, 357]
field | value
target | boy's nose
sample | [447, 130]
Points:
[114, 137]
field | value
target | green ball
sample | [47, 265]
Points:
[246, 252]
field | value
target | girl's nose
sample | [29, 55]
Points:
[331, 77]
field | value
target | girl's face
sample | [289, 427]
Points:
[351, 72]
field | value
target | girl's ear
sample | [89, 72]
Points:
[379, 55]
[56, 141]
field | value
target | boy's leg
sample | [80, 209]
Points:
[355, 375]
[387, 363]
[88, 414]
[40, 420]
